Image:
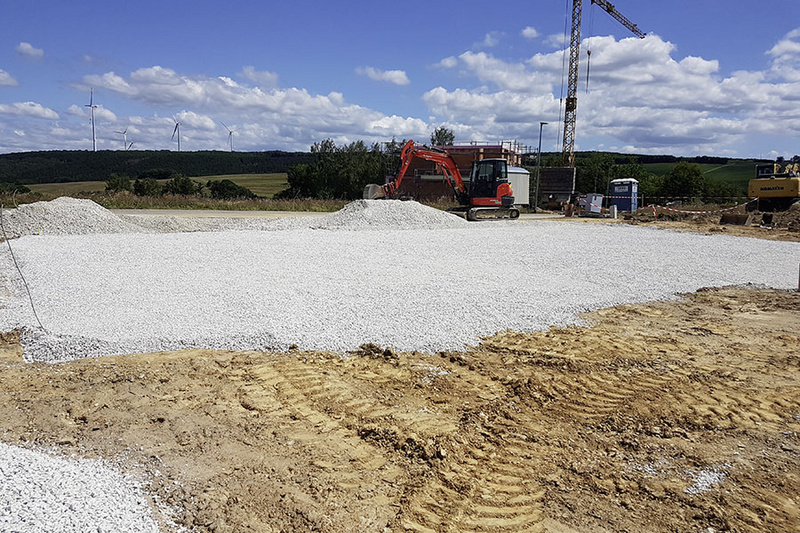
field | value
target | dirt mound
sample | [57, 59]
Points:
[790, 219]
[64, 216]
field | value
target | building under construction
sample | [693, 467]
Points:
[424, 181]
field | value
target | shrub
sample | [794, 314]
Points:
[146, 187]
[182, 186]
[118, 183]
[228, 190]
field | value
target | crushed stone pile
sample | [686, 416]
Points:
[390, 214]
[64, 216]
[357, 215]
[70, 216]
[46, 493]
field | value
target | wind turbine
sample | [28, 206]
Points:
[91, 106]
[230, 134]
[178, 131]
[124, 134]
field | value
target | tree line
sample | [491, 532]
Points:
[66, 166]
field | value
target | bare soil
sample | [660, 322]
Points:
[785, 225]
[669, 416]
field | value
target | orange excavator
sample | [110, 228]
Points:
[489, 194]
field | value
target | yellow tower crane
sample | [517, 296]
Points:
[571, 104]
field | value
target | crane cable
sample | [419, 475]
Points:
[588, 42]
[561, 109]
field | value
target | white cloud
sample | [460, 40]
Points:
[265, 79]
[397, 77]
[196, 120]
[283, 118]
[530, 32]
[504, 75]
[490, 40]
[27, 50]
[786, 57]
[557, 40]
[6, 80]
[101, 114]
[447, 62]
[640, 97]
[28, 109]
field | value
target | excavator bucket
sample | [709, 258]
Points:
[373, 192]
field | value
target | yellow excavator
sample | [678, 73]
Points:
[776, 187]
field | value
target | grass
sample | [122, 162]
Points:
[131, 201]
[737, 172]
[264, 185]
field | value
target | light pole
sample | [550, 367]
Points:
[538, 168]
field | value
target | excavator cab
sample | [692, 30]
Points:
[489, 185]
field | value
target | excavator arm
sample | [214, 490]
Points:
[409, 151]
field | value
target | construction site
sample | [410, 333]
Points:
[533, 358]
[358, 372]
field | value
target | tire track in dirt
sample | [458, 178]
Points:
[470, 483]
[718, 405]
[489, 489]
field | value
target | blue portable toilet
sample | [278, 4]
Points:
[624, 194]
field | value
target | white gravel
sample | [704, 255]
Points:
[393, 273]
[318, 288]
[41, 493]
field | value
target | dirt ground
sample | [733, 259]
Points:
[784, 226]
[669, 416]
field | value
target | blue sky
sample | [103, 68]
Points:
[711, 77]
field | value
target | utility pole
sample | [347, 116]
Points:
[538, 168]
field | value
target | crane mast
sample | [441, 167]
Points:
[571, 103]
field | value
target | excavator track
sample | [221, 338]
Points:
[486, 213]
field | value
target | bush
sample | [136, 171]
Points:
[11, 188]
[147, 187]
[118, 183]
[182, 186]
[336, 173]
[228, 190]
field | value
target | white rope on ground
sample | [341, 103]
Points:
[14, 259]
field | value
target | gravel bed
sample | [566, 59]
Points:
[356, 282]
[42, 493]
[392, 273]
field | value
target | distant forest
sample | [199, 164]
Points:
[66, 166]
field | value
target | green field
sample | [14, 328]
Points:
[737, 172]
[264, 185]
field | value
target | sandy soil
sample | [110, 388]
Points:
[670, 416]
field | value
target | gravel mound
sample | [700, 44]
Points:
[64, 216]
[408, 289]
[70, 216]
[43, 493]
[389, 214]
[358, 215]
